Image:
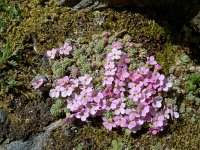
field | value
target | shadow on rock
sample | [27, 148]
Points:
[180, 17]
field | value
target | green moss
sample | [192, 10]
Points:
[166, 57]
[50, 25]
[44, 26]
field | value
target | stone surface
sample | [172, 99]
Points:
[2, 116]
[195, 22]
[35, 143]
[138, 3]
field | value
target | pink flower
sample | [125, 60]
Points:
[93, 108]
[136, 128]
[52, 53]
[86, 79]
[135, 88]
[131, 123]
[84, 97]
[87, 88]
[157, 102]
[55, 92]
[158, 121]
[106, 34]
[151, 60]
[135, 77]
[115, 54]
[116, 45]
[63, 81]
[74, 83]
[110, 72]
[132, 115]
[83, 114]
[140, 120]
[120, 109]
[97, 95]
[153, 131]
[108, 124]
[65, 49]
[109, 65]
[112, 104]
[105, 38]
[131, 44]
[103, 103]
[72, 105]
[157, 67]
[37, 83]
[69, 119]
[108, 91]
[167, 86]
[122, 74]
[143, 109]
[75, 72]
[119, 86]
[134, 95]
[173, 112]
[147, 93]
[107, 80]
[144, 71]
[124, 60]
[67, 92]
[120, 121]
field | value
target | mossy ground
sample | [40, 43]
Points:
[46, 25]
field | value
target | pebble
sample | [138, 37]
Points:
[2, 116]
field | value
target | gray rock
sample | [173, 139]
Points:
[35, 143]
[138, 3]
[2, 116]
[195, 22]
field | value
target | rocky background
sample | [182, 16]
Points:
[168, 29]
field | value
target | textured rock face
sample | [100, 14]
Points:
[35, 143]
[195, 22]
[138, 3]
[2, 116]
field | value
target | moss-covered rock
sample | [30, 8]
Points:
[47, 25]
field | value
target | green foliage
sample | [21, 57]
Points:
[8, 84]
[111, 39]
[193, 82]
[10, 14]
[59, 68]
[116, 145]
[77, 53]
[6, 52]
[130, 103]
[58, 108]
[158, 146]
[127, 38]
[99, 48]
[185, 58]
[121, 144]
[82, 61]
[79, 147]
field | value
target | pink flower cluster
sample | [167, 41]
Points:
[84, 102]
[136, 96]
[130, 99]
[63, 50]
